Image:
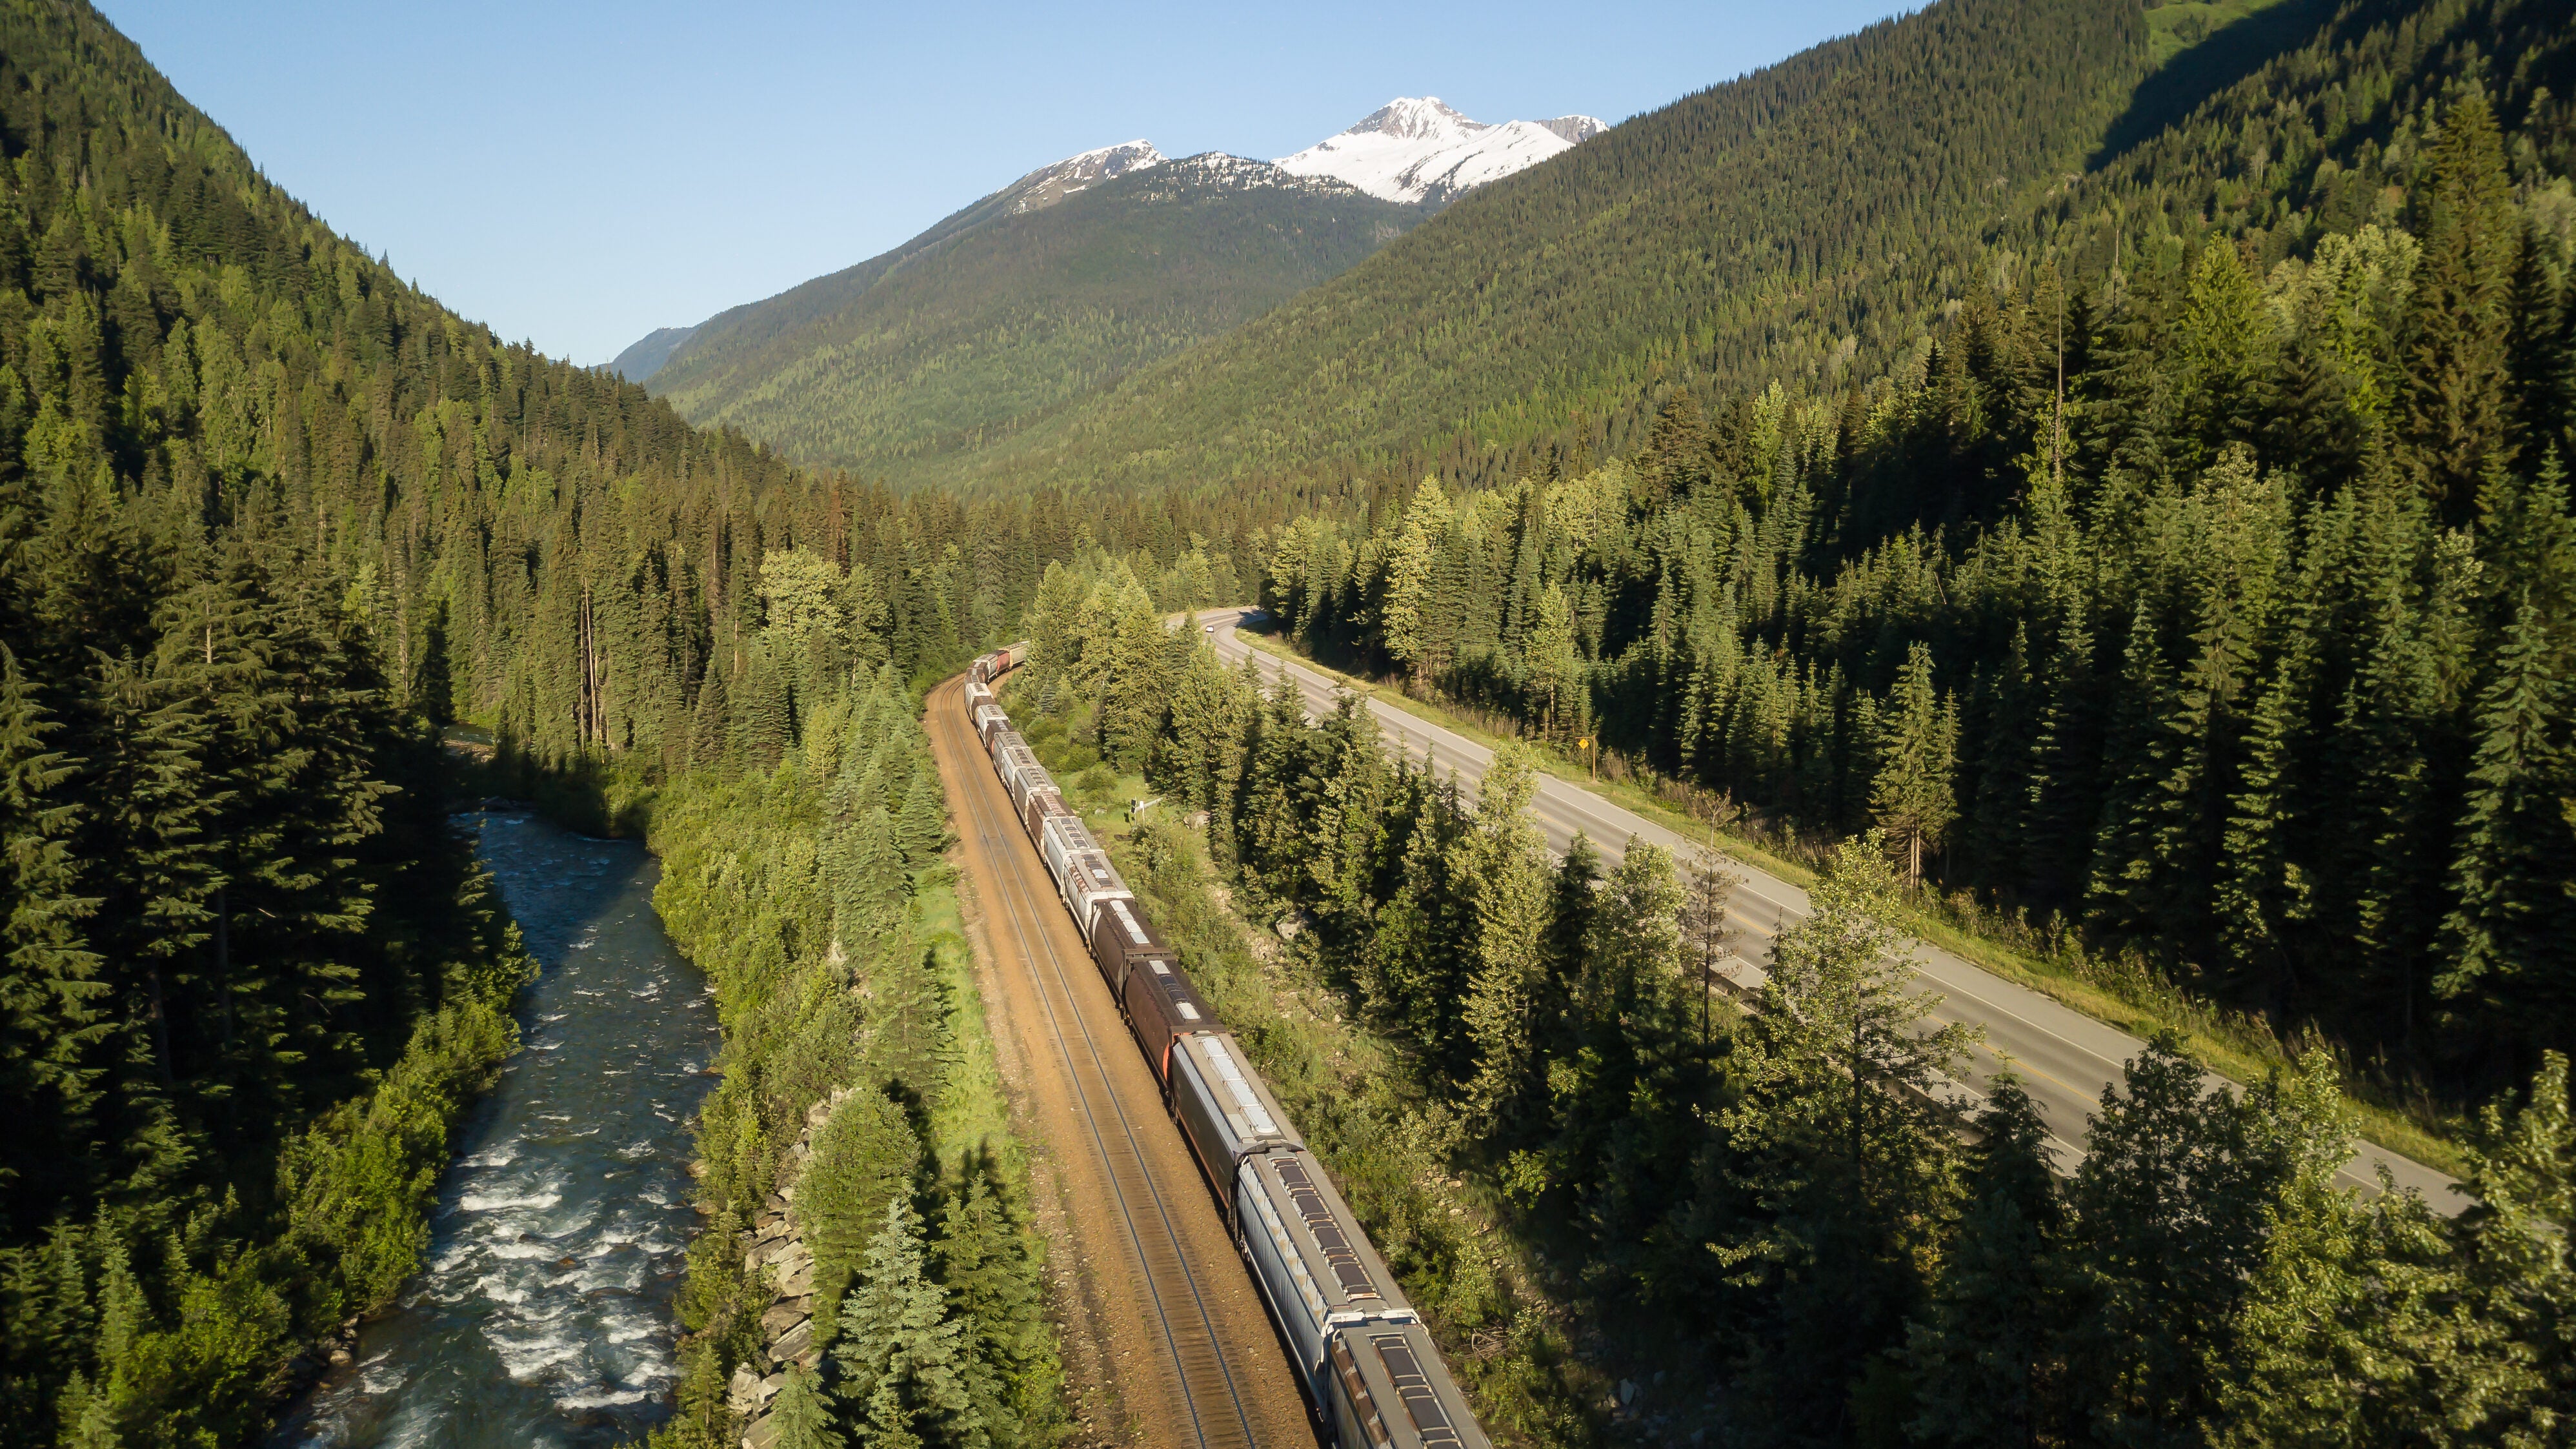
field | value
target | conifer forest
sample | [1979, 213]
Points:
[2126, 520]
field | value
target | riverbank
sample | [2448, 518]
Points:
[543, 1312]
[816, 896]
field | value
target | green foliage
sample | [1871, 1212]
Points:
[822, 928]
[1003, 315]
[1779, 1209]
[2175, 595]
[1737, 234]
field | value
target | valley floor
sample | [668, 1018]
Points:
[1164, 1336]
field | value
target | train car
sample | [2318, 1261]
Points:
[1162, 1006]
[981, 671]
[1043, 806]
[989, 721]
[978, 694]
[1313, 1263]
[1087, 880]
[1224, 1108]
[1026, 781]
[1390, 1390]
[1060, 838]
[1010, 757]
[1122, 940]
[1010, 657]
[1007, 739]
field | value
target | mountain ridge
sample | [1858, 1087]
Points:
[1439, 155]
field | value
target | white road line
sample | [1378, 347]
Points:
[2009, 1012]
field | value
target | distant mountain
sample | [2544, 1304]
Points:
[1800, 223]
[1418, 149]
[646, 357]
[1048, 185]
[1015, 307]
[1414, 153]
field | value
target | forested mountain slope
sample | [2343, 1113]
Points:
[1001, 316]
[268, 518]
[1802, 222]
[2249, 656]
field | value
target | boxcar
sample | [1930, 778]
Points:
[1122, 939]
[981, 671]
[1161, 1006]
[1224, 1108]
[989, 721]
[977, 693]
[1088, 880]
[1391, 1391]
[1313, 1263]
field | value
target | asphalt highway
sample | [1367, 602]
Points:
[2065, 1058]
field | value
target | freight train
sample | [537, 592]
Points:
[1368, 1364]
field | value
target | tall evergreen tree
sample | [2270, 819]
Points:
[2509, 937]
[2457, 403]
[1914, 798]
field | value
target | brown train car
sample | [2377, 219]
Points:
[1043, 802]
[1122, 940]
[1162, 1006]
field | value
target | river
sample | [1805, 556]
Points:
[543, 1313]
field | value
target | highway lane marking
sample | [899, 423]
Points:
[1577, 806]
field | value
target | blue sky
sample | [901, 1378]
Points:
[578, 173]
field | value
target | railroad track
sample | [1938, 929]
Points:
[1217, 1415]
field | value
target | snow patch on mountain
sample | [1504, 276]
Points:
[1217, 169]
[1048, 185]
[1415, 148]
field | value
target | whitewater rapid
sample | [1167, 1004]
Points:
[543, 1311]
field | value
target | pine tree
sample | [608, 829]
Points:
[2457, 402]
[1407, 613]
[1553, 664]
[987, 1260]
[50, 1017]
[2174, 1206]
[2225, 344]
[1984, 1355]
[2536, 352]
[2508, 938]
[803, 1414]
[865, 1155]
[712, 723]
[1914, 797]
[1507, 863]
[902, 1355]
[923, 824]
[1835, 1059]
[1707, 931]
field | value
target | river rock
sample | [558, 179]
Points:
[781, 1318]
[776, 1202]
[762, 1434]
[793, 1342]
[742, 1392]
[772, 1227]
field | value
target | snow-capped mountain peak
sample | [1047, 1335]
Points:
[1417, 148]
[1417, 118]
[1048, 185]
